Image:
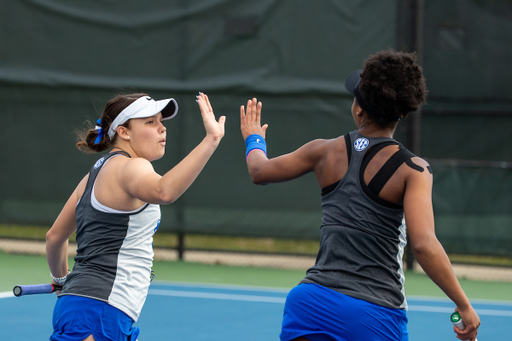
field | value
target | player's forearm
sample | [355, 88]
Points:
[176, 181]
[256, 162]
[57, 257]
[57, 238]
[436, 264]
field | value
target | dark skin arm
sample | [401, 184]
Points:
[311, 157]
[429, 252]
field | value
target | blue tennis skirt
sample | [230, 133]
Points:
[318, 313]
[76, 317]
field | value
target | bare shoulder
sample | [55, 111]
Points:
[135, 167]
[325, 145]
[121, 170]
[316, 151]
[420, 174]
[423, 164]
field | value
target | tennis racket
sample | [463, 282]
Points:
[23, 290]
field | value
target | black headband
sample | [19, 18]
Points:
[352, 85]
[373, 112]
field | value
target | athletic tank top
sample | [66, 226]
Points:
[362, 236]
[115, 250]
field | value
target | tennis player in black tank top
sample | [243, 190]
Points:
[394, 183]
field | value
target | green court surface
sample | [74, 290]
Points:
[30, 269]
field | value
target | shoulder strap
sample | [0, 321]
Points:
[371, 153]
[367, 158]
[119, 152]
[95, 169]
[348, 144]
[390, 167]
[328, 189]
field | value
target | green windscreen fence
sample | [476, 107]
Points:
[473, 209]
[61, 61]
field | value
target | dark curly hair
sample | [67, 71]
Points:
[394, 83]
[87, 138]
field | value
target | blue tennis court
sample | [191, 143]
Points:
[186, 311]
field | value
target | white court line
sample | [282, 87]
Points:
[267, 299]
[487, 312]
[230, 297]
[447, 300]
[6, 294]
[430, 309]
[219, 286]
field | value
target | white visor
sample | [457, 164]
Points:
[144, 107]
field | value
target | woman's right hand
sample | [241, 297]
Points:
[250, 119]
[213, 128]
[471, 321]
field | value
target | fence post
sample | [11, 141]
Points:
[410, 37]
[181, 245]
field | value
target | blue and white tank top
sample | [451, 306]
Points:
[115, 250]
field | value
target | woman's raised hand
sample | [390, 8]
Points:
[250, 119]
[213, 128]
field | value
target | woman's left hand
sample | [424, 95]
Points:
[250, 120]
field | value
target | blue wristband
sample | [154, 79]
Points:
[255, 141]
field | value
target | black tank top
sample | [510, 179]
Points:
[362, 236]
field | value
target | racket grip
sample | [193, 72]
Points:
[23, 290]
[457, 321]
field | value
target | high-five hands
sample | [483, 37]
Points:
[213, 128]
[250, 120]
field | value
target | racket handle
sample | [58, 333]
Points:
[457, 321]
[22, 290]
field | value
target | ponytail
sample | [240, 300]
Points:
[94, 140]
[97, 140]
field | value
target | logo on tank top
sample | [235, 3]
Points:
[99, 163]
[361, 144]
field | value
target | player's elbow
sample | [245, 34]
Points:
[166, 198]
[258, 174]
[257, 177]
[49, 236]
[168, 195]
[54, 238]
[423, 247]
[418, 249]
[256, 180]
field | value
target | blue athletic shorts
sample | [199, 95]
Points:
[318, 313]
[76, 317]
